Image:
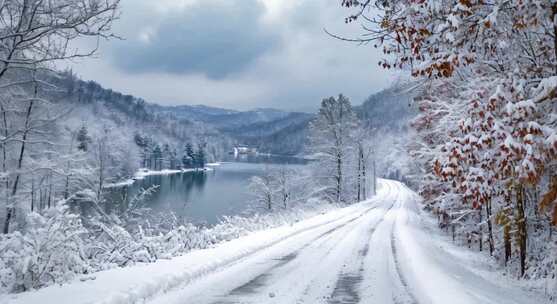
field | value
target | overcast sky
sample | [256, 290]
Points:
[238, 54]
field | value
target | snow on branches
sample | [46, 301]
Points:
[487, 126]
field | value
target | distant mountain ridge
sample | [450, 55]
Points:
[270, 130]
[257, 127]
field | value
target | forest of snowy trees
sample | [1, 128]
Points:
[342, 148]
[341, 170]
[478, 140]
[486, 139]
[64, 140]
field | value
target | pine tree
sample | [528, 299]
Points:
[157, 157]
[173, 159]
[83, 139]
[200, 158]
[143, 144]
[166, 156]
[189, 155]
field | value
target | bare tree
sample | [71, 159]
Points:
[263, 190]
[34, 34]
[331, 140]
[37, 32]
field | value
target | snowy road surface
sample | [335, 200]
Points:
[379, 251]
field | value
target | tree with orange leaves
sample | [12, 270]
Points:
[491, 144]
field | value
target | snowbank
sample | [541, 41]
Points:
[137, 283]
[439, 272]
[142, 173]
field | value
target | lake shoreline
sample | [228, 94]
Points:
[200, 198]
[142, 173]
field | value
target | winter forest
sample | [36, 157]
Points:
[433, 182]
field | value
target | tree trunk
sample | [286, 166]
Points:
[521, 227]
[49, 191]
[489, 227]
[507, 241]
[480, 228]
[364, 182]
[101, 172]
[68, 168]
[32, 195]
[11, 207]
[374, 178]
[339, 176]
[4, 167]
[359, 180]
[553, 15]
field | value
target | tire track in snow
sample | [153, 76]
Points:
[411, 298]
[225, 264]
[346, 288]
[258, 282]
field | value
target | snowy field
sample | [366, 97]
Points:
[379, 251]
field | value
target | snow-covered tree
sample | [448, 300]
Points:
[486, 132]
[200, 157]
[263, 190]
[188, 156]
[83, 139]
[332, 144]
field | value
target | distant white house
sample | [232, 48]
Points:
[244, 150]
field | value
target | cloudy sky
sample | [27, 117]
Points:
[238, 54]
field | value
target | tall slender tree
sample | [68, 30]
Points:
[331, 140]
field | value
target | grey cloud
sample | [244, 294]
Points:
[286, 62]
[215, 38]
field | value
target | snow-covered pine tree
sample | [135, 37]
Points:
[188, 157]
[166, 156]
[200, 157]
[157, 157]
[83, 139]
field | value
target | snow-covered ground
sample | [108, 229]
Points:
[142, 173]
[379, 251]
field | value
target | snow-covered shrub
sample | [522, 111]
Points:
[49, 250]
[174, 242]
[55, 247]
[113, 246]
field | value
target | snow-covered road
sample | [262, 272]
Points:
[379, 251]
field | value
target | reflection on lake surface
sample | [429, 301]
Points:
[204, 197]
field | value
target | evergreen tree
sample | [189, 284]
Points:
[200, 158]
[83, 139]
[143, 144]
[186, 161]
[166, 156]
[189, 156]
[157, 157]
[173, 159]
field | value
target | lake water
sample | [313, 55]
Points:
[205, 197]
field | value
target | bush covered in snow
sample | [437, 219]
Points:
[49, 250]
[57, 246]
